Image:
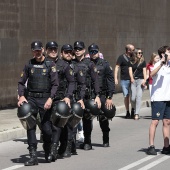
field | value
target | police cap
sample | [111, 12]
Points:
[36, 45]
[51, 44]
[66, 47]
[79, 44]
[93, 47]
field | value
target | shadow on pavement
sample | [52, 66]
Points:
[145, 150]
[24, 158]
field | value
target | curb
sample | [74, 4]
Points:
[21, 132]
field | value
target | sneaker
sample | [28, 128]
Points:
[80, 136]
[166, 150]
[136, 117]
[151, 150]
[127, 115]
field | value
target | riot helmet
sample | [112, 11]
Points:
[60, 114]
[109, 114]
[25, 115]
[77, 114]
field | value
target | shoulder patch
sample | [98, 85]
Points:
[22, 74]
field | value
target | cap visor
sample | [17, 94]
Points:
[37, 48]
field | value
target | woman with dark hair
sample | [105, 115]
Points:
[137, 72]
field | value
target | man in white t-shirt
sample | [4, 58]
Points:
[160, 102]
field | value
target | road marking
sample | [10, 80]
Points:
[137, 162]
[154, 163]
[13, 167]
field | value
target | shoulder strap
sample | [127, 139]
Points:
[125, 57]
[136, 69]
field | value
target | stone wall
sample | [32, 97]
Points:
[110, 23]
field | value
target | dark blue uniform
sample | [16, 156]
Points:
[68, 134]
[107, 88]
[92, 88]
[65, 89]
[42, 83]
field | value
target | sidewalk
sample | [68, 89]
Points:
[11, 128]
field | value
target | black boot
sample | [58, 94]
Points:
[33, 156]
[54, 151]
[47, 150]
[105, 139]
[62, 149]
[87, 143]
[127, 115]
[73, 147]
[67, 152]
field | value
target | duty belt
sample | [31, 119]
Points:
[103, 93]
[38, 95]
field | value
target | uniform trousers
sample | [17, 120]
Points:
[38, 104]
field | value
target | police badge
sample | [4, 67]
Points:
[71, 72]
[95, 69]
[81, 73]
[53, 69]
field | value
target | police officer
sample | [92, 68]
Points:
[42, 84]
[92, 83]
[107, 88]
[68, 136]
[65, 89]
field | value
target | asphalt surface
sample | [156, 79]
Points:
[11, 128]
[128, 143]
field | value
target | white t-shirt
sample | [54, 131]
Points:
[161, 84]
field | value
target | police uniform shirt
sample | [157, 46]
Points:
[103, 67]
[80, 80]
[52, 74]
[89, 68]
[65, 71]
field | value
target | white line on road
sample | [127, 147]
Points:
[137, 163]
[154, 163]
[13, 167]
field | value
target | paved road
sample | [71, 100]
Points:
[128, 140]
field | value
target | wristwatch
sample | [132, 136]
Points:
[109, 97]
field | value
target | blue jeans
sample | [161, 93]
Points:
[125, 84]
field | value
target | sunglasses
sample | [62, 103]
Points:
[52, 49]
[93, 52]
[140, 53]
[78, 49]
[67, 52]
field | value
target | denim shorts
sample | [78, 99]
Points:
[160, 110]
[125, 87]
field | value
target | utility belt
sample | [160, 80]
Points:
[38, 95]
[102, 93]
